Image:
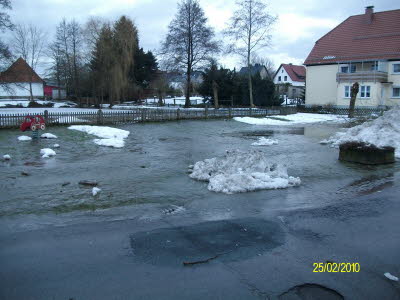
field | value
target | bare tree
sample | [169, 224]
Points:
[5, 53]
[29, 43]
[249, 31]
[189, 42]
[267, 63]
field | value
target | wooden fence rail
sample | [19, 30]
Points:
[135, 115]
[359, 111]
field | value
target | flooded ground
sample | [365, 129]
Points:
[154, 233]
[147, 179]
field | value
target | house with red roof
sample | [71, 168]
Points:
[290, 80]
[18, 81]
[365, 49]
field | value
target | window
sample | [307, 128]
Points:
[353, 69]
[344, 69]
[396, 92]
[365, 91]
[396, 68]
[374, 66]
[279, 78]
[282, 71]
[285, 78]
[347, 91]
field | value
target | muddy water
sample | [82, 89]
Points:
[147, 178]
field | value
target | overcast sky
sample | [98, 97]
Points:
[300, 23]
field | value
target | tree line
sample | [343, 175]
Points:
[103, 59]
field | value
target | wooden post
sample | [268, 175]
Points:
[230, 112]
[206, 112]
[178, 115]
[250, 111]
[144, 114]
[46, 116]
[99, 117]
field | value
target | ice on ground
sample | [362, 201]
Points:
[47, 152]
[238, 172]
[381, 132]
[116, 143]
[6, 156]
[48, 135]
[56, 146]
[24, 138]
[110, 137]
[391, 277]
[299, 118]
[262, 141]
[95, 191]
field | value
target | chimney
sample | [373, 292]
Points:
[369, 12]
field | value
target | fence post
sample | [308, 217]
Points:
[206, 112]
[144, 114]
[230, 112]
[46, 116]
[178, 113]
[250, 112]
[99, 117]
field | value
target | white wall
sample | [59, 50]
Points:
[22, 90]
[321, 85]
[282, 73]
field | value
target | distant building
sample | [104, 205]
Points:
[365, 49]
[256, 69]
[15, 81]
[290, 80]
[53, 91]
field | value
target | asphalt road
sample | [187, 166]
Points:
[254, 257]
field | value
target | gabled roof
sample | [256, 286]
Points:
[254, 69]
[370, 36]
[20, 71]
[295, 72]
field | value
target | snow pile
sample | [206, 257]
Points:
[47, 152]
[381, 132]
[24, 138]
[239, 172]
[111, 137]
[299, 118]
[391, 277]
[6, 156]
[262, 141]
[48, 135]
[95, 191]
[56, 146]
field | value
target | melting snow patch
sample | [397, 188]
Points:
[47, 152]
[56, 146]
[391, 277]
[111, 137]
[6, 157]
[24, 138]
[262, 141]
[381, 132]
[299, 118]
[95, 191]
[48, 136]
[239, 172]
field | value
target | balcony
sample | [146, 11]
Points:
[362, 76]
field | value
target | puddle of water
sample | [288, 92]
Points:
[151, 169]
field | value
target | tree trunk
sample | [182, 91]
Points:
[30, 91]
[354, 92]
[215, 90]
[188, 81]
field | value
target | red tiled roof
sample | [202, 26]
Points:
[296, 73]
[20, 71]
[356, 39]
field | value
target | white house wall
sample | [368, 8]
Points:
[321, 85]
[21, 90]
[282, 72]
